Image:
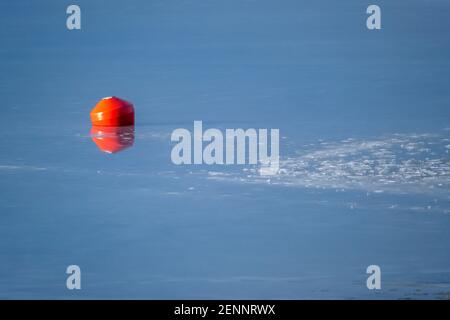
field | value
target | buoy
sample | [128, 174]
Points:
[113, 111]
[112, 139]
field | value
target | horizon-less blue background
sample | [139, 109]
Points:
[364, 120]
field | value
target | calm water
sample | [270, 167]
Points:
[365, 139]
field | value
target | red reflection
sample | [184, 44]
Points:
[112, 139]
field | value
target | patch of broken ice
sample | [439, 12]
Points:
[400, 163]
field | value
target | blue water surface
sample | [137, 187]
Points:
[364, 174]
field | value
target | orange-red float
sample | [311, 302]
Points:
[113, 112]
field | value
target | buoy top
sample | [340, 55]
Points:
[113, 111]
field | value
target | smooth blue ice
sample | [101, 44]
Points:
[364, 119]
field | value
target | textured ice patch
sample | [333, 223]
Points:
[399, 163]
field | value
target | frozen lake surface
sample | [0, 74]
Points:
[365, 140]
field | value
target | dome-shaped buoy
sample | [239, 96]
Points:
[112, 139]
[113, 112]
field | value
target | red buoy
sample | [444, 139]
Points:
[112, 139]
[113, 111]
